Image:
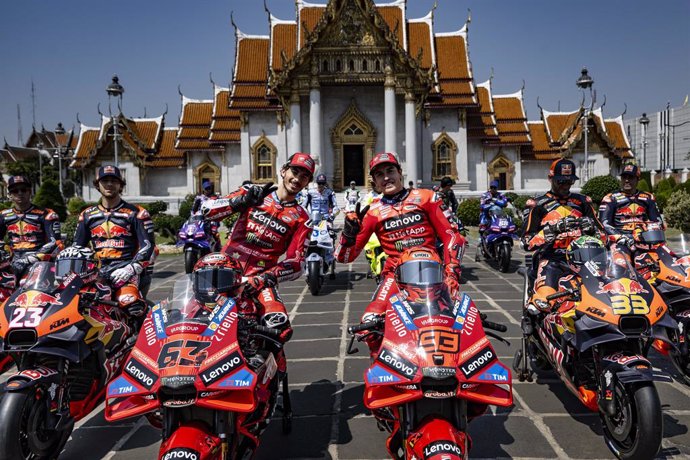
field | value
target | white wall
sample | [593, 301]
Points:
[166, 182]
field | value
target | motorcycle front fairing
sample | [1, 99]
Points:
[185, 355]
[435, 352]
[193, 233]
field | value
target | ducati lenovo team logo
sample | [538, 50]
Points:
[181, 453]
[219, 370]
[397, 363]
[268, 221]
[442, 447]
[480, 361]
[140, 373]
[403, 221]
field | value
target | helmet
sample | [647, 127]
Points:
[420, 275]
[353, 182]
[584, 249]
[215, 274]
[321, 179]
[79, 260]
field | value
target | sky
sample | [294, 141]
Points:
[637, 52]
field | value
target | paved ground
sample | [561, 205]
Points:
[326, 386]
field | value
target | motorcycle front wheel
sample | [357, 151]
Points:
[23, 431]
[636, 430]
[190, 258]
[314, 277]
[504, 257]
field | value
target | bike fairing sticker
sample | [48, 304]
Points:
[158, 321]
[122, 386]
[402, 313]
[377, 374]
[181, 453]
[460, 310]
[219, 313]
[397, 363]
[240, 379]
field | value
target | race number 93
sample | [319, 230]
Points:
[624, 305]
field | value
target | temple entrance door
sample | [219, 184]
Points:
[353, 164]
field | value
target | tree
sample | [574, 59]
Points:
[48, 196]
[677, 211]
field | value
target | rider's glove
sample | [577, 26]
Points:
[254, 197]
[124, 274]
[278, 320]
[549, 233]
[19, 264]
[353, 224]
[587, 225]
[136, 309]
[451, 280]
[261, 282]
[626, 240]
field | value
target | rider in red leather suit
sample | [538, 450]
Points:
[401, 219]
[539, 235]
[271, 224]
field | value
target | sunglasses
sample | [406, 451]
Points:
[15, 191]
[564, 181]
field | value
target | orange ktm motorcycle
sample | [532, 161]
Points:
[7, 287]
[203, 374]
[66, 345]
[434, 372]
[596, 341]
[670, 276]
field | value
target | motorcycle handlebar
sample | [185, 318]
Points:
[495, 326]
[558, 295]
[365, 326]
[271, 332]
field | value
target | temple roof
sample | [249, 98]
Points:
[194, 125]
[511, 120]
[481, 121]
[167, 156]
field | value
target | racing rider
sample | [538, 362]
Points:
[401, 219]
[322, 199]
[543, 230]
[33, 232]
[271, 224]
[352, 197]
[122, 236]
[490, 198]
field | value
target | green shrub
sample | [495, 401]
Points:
[69, 228]
[643, 186]
[229, 222]
[155, 208]
[511, 196]
[598, 187]
[469, 212]
[48, 196]
[186, 206]
[167, 225]
[520, 202]
[5, 205]
[677, 211]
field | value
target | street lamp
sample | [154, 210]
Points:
[59, 131]
[115, 90]
[644, 121]
[585, 82]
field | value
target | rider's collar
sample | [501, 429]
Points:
[397, 198]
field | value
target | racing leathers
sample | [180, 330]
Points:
[32, 235]
[351, 199]
[411, 218]
[322, 202]
[123, 240]
[486, 201]
[539, 235]
[261, 235]
[621, 213]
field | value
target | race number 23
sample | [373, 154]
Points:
[26, 317]
[624, 305]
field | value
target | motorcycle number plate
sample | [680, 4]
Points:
[26, 317]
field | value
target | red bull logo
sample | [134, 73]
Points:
[682, 261]
[23, 228]
[33, 299]
[632, 210]
[623, 286]
[109, 230]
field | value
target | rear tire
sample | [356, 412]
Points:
[23, 434]
[314, 277]
[682, 365]
[637, 428]
[190, 258]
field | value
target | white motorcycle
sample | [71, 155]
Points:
[320, 257]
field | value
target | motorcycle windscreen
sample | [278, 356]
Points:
[41, 277]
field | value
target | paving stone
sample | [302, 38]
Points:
[96, 441]
[317, 349]
[371, 443]
[326, 318]
[310, 438]
[507, 437]
[307, 372]
[316, 332]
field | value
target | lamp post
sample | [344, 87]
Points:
[644, 121]
[585, 82]
[59, 131]
[115, 90]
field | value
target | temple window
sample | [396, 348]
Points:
[353, 130]
[324, 66]
[443, 150]
[352, 65]
[264, 160]
[338, 67]
[365, 65]
[378, 65]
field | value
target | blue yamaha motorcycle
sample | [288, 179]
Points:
[496, 243]
[195, 236]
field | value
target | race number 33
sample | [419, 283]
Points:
[624, 305]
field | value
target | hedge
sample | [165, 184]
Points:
[600, 186]
[677, 211]
[469, 212]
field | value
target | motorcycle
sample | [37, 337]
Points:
[320, 257]
[196, 239]
[434, 372]
[670, 276]
[7, 287]
[204, 376]
[496, 242]
[597, 342]
[376, 258]
[67, 344]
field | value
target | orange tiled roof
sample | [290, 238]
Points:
[196, 113]
[225, 125]
[481, 122]
[283, 39]
[559, 125]
[511, 120]
[616, 133]
[86, 145]
[252, 59]
[393, 15]
[309, 17]
[454, 72]
[195, 122]
[167, 156]
[419, 37]
[146, 130]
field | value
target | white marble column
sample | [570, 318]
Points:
[295, 129]
[315, 124]
[462, 157]
[411, 139]
[389, 108]
[245, 147]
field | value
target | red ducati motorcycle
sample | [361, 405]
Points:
[434, 371]
[67, 345]
[205, 375]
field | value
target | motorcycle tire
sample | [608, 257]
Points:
[637, 428]
[23, 435]
[314, 277]
[504, 257]
[190, 258]
[682, 365]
